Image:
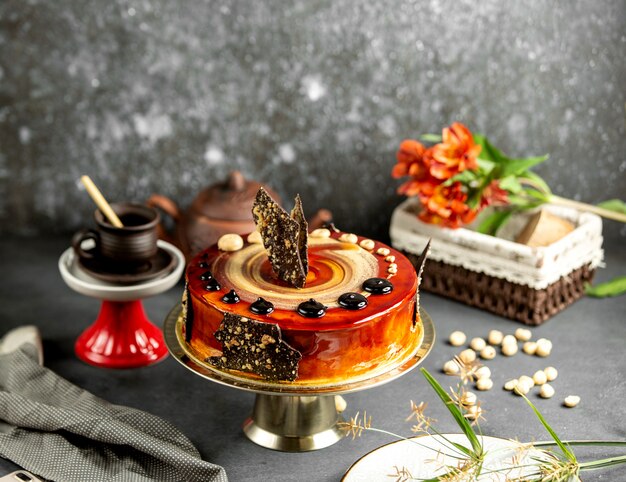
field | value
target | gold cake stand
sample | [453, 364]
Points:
[291, 417]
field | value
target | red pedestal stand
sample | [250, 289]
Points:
[121, 337]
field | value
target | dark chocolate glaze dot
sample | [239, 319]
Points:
[231, 297]
[203, 264]
[352, 301]
[311, 309]
[212, 285]
[378, 286]
[261, 307]
[207, 275]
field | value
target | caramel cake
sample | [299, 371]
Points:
[290, 308]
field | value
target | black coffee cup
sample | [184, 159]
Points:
[135, 243]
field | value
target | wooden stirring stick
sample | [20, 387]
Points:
[102, 203]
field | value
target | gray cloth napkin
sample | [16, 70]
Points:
[63, 433]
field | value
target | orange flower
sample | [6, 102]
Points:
[494, 195]
[455, 154]
[446, 206]
[410, 157]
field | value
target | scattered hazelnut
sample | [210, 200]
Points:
[451, 367]
[571, 401]
[383, 251]
[478, 344]
[340, 403]
[230, 242]
[530, 347]
[495, 337]
[545, 342]
[390, 259]
[509, 340]
[551, 373]
[392, 269]
[511, 384]
[483, 372]
[526, 380]
[521, 389]
[543, 350]
[488, 353]
[457, 338]
[484, 384]
[523, 334]
[546, 391]
[468, 399]
[349, 238]
[509, 349]
[321, 233]
[467, 356]
[367, 244]
[540, 377]
[473, 412]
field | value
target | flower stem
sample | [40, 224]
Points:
[599, 464]
[605, 213]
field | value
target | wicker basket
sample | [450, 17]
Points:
[495, 273]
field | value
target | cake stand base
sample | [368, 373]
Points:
[121, 337]
[294, 423]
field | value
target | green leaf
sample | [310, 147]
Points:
[485, 165]
[536, 181]
[493, 222]
[431, 137]
[464, 425]
[615, 287]
[588, 443]
[488, 151]
[616, 205]
[566, 451]
[516, 167]
[510, 184]
[466, 177]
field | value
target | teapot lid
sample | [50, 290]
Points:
[230, 200]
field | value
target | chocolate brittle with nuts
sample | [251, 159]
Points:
[255, 347]
[284, 237]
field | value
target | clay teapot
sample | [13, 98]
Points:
[222, 208]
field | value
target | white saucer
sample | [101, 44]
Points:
[419, 456]
[78, 280]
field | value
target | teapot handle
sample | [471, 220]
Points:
[170, 208]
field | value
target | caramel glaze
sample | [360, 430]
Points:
[343, 344]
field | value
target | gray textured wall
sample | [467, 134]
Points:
[309, 96]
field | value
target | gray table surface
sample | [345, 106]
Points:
[589, 351]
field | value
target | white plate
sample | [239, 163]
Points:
[422, 458]
[78, 280]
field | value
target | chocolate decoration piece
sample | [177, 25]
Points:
[378, 286]
[231, 297]
[280, 235]
[203, 264]
[297, 214]
[261, 307]
[311, 309]
[212, 285]
[419, 268]
[255, 347]
[187, 313]
[352, 301]
[207, 275]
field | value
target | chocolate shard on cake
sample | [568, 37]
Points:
[255, 347]
[419, 267]
[282, 238]
[297, 214]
